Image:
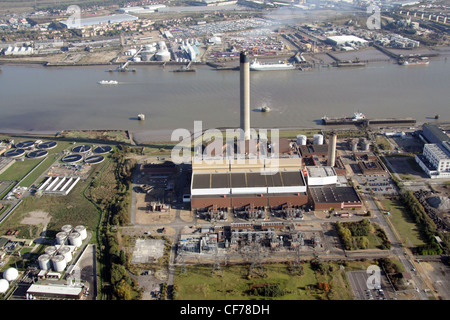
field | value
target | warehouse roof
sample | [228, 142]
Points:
[247, 180]
[334, 194]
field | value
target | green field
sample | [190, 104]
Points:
[234, 284]
[403, 223]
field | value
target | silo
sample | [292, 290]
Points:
[75, 239]
[301, 140]
[61, 237]
[67, 228]
[366, 145]
[59, 263]
[318, 139]
[44, 262]
[82, 231]
[66, 252]
[147, 55]
[162, 56]
[51, 251]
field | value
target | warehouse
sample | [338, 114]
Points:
[115, 18]
[325, 198]
[345, 39]
[319, 176]
[55, 291]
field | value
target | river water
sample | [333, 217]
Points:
[37, 98]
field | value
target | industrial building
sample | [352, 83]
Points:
[92, 21]
[325, 198]
[61, 291]
[320, 176]
[435, 160]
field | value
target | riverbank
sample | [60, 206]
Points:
[110, 57]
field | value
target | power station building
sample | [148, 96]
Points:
[238, 187]
[266, 174]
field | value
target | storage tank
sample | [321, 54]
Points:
[82, 231]
[10, 274]
[147, 55]
[66, 252]
[67, 228]
[162, 56]
[318, 139]
[50, 250]
[61, 237]
[366, 145]
[44, 262]
[75, 239]
[59, 263]
[4, 285]
[301, 140]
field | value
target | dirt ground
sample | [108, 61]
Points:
[37, 218]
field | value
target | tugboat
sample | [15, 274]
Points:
[265, 109]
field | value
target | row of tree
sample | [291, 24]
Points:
[426, 224]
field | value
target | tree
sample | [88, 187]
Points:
[123, 291]
[118, 272]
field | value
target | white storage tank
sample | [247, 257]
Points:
[44, 262]
[82, 231]
[162, 56]
[66, 252]
[50, 250]
[318, 139]
[67, 228]
[4, 285]
[61, 237]
[301, 140]
[59, 263]
[10, 274]
[75, 239]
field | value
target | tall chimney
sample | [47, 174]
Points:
[245, 94]
[332, 150]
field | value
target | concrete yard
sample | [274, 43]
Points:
[147, 251]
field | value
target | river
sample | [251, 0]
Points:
[37, 98]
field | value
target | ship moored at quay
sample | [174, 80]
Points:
[359, 118]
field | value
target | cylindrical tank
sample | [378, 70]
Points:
[66, 252]
[301, 140]
[82, 231]
[59, 263]
[147, 55]
[318, 139]
[4, 285]
[44, 262]
[67, 228]
[75, 239]
[61, 237]
[366, 146]
[162, 56]
[50, 250]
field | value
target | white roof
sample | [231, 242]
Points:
[54, 289]
[346, 38]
